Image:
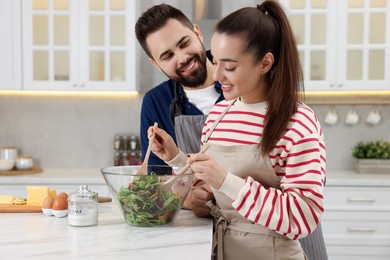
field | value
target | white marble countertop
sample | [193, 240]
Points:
[36, 236]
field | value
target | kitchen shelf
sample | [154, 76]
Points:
[347, 97]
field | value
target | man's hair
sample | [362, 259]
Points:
[154, 19]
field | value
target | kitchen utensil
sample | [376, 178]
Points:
[141, 199]
[20, 209]
[104, 199]
[6, 164]
[374, 117]
[168, 183]
[352, 117]
[24, 162]
[144, 166]
[8, 152]
[331, 117]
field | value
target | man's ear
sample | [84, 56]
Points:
[153, 62]
[198, 32]
[267, 62]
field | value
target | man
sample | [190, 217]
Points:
[180, 105]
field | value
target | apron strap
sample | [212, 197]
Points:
[220, 226]
[219, 119]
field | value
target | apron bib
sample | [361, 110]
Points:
[235, 237]
[188, 131]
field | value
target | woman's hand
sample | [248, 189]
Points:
[163, 145]
[207, 169]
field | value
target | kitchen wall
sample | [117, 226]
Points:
[78, 131]
[67, 131]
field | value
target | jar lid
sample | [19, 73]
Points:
[83, 193]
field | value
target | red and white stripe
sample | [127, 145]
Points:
[298, 158]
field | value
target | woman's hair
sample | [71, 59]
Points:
[265, 29]
[154, 19]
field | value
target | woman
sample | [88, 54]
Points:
[266, 155]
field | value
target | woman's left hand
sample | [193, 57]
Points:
[207, 169]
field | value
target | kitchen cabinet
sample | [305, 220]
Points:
[356, 223]
[10, 45]
[343, 45]
[79, 45]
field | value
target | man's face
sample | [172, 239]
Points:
[179, 53]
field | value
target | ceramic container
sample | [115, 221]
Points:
[8, 152]
[6, 164]
[24, 162]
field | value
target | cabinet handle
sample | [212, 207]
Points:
[357, 199]
[361, 229]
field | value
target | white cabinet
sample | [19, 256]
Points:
[10, 45]
[356, 223]
[79, 45]
[343, 45]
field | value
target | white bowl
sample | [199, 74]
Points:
[7, 164]
[47, 212]
[24, 162]
[60, 213]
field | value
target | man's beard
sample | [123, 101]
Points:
[198, 77]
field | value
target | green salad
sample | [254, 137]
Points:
[146, 204]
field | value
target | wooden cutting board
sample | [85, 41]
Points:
[19, 209]
[35, 209]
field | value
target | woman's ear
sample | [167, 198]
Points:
[267, 62]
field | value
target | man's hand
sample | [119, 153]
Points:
[197, 199]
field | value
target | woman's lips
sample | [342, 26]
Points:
[226, 87]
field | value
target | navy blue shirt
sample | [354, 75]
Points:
[157, 107]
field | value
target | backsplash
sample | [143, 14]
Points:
[78, 131]
[67, 131]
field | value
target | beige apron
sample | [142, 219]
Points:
[235, 237]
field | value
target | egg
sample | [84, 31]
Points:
[60, 204]
[63, 195]
[48, 203]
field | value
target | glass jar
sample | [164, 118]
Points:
[117, 142]
[83, 207]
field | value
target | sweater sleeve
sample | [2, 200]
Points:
[295, 209]
[179, 161]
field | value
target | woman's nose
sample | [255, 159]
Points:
[217, 74]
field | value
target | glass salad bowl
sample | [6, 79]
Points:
[148, 200]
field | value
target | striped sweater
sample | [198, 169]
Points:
[298, 160]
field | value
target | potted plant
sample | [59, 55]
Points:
[372, 156]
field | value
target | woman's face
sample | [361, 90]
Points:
[237, 72]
